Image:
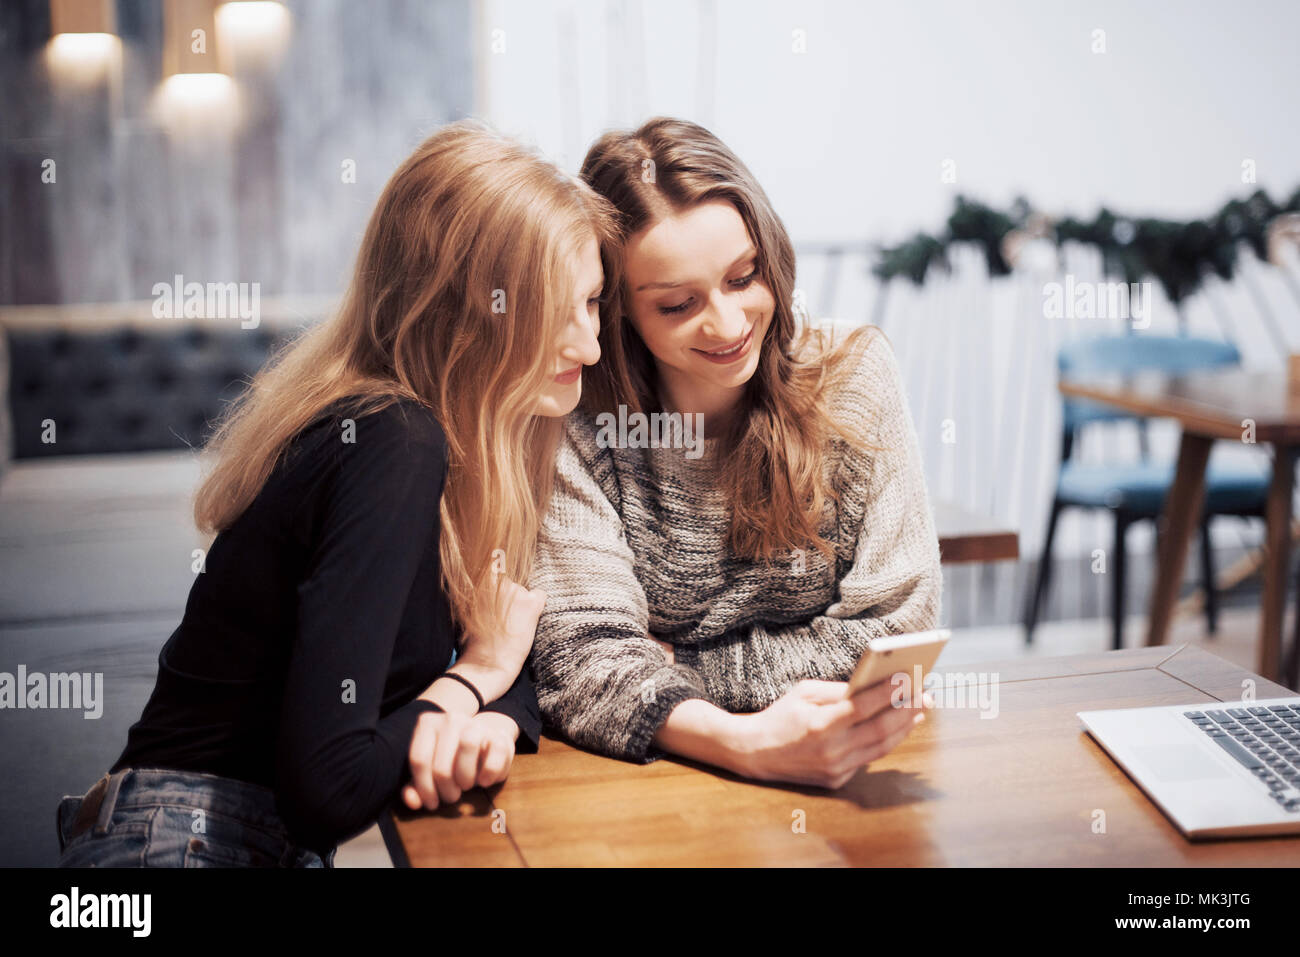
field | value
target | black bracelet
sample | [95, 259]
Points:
[468, 684]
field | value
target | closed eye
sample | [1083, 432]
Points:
[741, 283]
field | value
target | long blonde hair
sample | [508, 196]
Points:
[773, 453]
[460, 293]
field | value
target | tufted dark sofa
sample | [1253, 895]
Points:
[128, 384]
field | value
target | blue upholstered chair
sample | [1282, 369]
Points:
[1137, 492]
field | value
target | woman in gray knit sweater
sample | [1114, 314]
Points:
[739, 505]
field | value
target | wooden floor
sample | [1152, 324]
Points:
[365, 850]
[1234, 642]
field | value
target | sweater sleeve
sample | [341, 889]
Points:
[601, 680]
[520, 704]
[338, 761]
[893, 585]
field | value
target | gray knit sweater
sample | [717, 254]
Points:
[634, 544]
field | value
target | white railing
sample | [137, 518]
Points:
[979, 363]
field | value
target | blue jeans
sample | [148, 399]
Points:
[160, 818]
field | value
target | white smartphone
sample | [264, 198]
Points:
[912, 654]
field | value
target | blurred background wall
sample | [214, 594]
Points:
[845, 110]
[271, 181]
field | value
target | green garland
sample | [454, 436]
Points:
[1177, 254]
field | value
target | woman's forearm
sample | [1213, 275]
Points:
[704, 732]
[451, 695]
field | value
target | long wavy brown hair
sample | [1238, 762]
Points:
[460, 292]
[773, 454]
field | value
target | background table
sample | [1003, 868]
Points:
[966, 536]
[1023, 788]
[1209, 406]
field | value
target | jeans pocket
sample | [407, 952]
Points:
[120, 849]
[213, 839]
[204, 852]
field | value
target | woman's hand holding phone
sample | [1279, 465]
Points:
[818, 734]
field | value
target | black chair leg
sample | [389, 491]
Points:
[1207, 577]
[1117, 571]
[1044, 573]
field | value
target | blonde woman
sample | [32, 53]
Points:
[710, 592]
[376, 497]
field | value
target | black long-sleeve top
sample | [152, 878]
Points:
[318, 620]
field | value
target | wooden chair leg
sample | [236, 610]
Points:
[1276, 568]
[1118, 569]
[1207, 576]
[1037, 593]
[1181, 512]
[1291, 666]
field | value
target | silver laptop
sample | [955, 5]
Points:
[1219, 770]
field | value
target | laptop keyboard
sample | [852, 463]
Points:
[1265, 740]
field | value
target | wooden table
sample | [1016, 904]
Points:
[966, 536]
[1021, 788]
[1209, 406]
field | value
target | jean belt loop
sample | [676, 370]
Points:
[110, 801]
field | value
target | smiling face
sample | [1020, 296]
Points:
[695, 296]
[576, 345]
